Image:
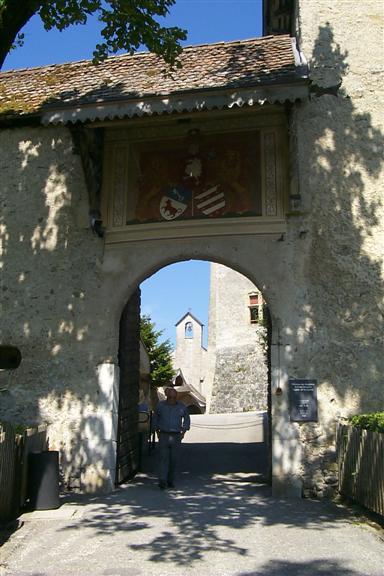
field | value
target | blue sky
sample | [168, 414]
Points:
[170, 293]
[205, 20]
[167, 295]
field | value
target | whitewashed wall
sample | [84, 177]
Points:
[62, 290]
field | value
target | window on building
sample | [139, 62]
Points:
[253, 299]
[188, 330]
[254, 314]
[255, 307]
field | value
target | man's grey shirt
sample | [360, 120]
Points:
[171, 417]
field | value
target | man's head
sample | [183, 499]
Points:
[171, 395]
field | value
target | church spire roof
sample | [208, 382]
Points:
[192, 316]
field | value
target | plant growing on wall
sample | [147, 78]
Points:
[159, 353]
[127, 24]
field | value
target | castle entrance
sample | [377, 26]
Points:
[221, 362]
[215, 188]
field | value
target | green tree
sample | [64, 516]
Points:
[159, 353]
[128, 24]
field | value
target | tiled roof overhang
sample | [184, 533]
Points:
[212, 77]
[176, 104]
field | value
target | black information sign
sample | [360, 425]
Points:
[303, 400]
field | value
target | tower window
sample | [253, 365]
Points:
[253, 299]
[255, 307]
[254, 314]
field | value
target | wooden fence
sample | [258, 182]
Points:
[14, 450]
[360, 456]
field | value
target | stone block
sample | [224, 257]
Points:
[287, 487]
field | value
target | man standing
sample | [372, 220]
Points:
[171, 421]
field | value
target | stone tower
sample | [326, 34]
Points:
[238, 371]
[190, 354]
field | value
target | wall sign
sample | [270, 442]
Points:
[303, 400]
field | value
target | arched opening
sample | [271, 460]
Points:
[188, 330]
[234, 405]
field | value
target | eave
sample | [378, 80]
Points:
[179, 103]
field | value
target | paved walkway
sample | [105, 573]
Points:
[217, 523]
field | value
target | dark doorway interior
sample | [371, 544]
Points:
[192, 409]
[128, 446]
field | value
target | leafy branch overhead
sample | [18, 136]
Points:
[127, 24]
[159, 353]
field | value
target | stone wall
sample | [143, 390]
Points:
[52, 304]
[240, 380]
[63, 289]
[340, 138]
[236, 347]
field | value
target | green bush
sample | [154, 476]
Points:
[374, 421]
[17, 428]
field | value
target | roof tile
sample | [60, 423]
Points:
[255, 62]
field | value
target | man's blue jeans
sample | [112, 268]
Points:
[169, 448]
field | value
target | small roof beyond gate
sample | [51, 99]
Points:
[192, 316]
[213, 76]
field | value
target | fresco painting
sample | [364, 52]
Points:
[208, 176]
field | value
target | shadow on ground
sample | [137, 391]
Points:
[7, 530]
[229, 458]
[312, 568]
[214, 497]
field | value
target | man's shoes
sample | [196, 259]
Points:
[163, 485]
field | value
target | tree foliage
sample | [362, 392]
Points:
[127, 24]
[159, 353]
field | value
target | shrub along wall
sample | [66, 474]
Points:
[374, 421]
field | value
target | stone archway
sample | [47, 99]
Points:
[232, 377]
[251, 256]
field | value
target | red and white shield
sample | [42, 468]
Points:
[211, 201]
[175, 202]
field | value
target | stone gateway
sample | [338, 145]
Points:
[278, 176]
